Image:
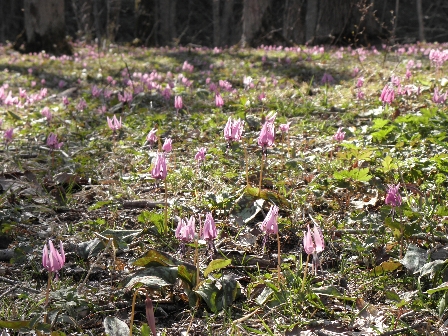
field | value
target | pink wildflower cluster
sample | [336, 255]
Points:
[113, 123]
[233, 130]
[52, 142]
[52, 260]
[159, 170]
[270, 225]
[267, 133]
[313, 243]
[438, 57]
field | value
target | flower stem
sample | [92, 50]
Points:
[47, 294]
[261, 175]
[305, 273]
[134, 297]
[166, 207]
[246, 161]
[279, 259]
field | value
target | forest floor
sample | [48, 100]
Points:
[382, 271]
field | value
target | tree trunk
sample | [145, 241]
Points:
[293, 27]
[113, 14]
[167, 19]
[45, 27]
[253, 12]
[421, 27]
[311, 20]
[216, 23]
[227, 23]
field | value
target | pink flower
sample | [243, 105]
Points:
[113, 123]
[233, 130]
[269, 225]
[65, 101]
[152, 137]
[200, 155]
[267, 135]
[178, 103]
[167, 145]
[393, 197]
[439, 98]
[360, 82]
[8, 134]
[209, 229]
[47, 113]
[95, 91]
[327, 79]
[209, 232]
[125, 98]
[219, 102]
[284, 128]
[387, 95]
[52, 142]
[166, 93]
[314, 247]
[82, 105]
[339, 135]
[159, 170]
[52, 260]
[185, 232]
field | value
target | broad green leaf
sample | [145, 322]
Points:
[156, 258]
[264, 296]
[208, 292]
[364, 154]
[388, 164]
[14, 325]
[415, 258]
[166, 274]
[442, 304]
[125, 236]
[333, 292]
[115, 327]
[379, 123]
[148, 281]
[268, 195]
[155, 218]
[386, 266]
[442, 287]
[145, 330]
[361, 175]
[391, 295]
[394, 225]
[216, 265]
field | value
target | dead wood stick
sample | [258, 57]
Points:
[25, 288]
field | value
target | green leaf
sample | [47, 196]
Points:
[155, 218]
[219, 294]
[394, 225]
[391, 295]
[208, 291]
[361, 175]
[388, 164]
[333, 292]
[167, 275]
[115, 327]
[148, 281]
[415, 258]
[145, 330]
[442, 287]
[442, 305]
[216, 265]
[14, 325]
[386, 266]
[379, 123]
